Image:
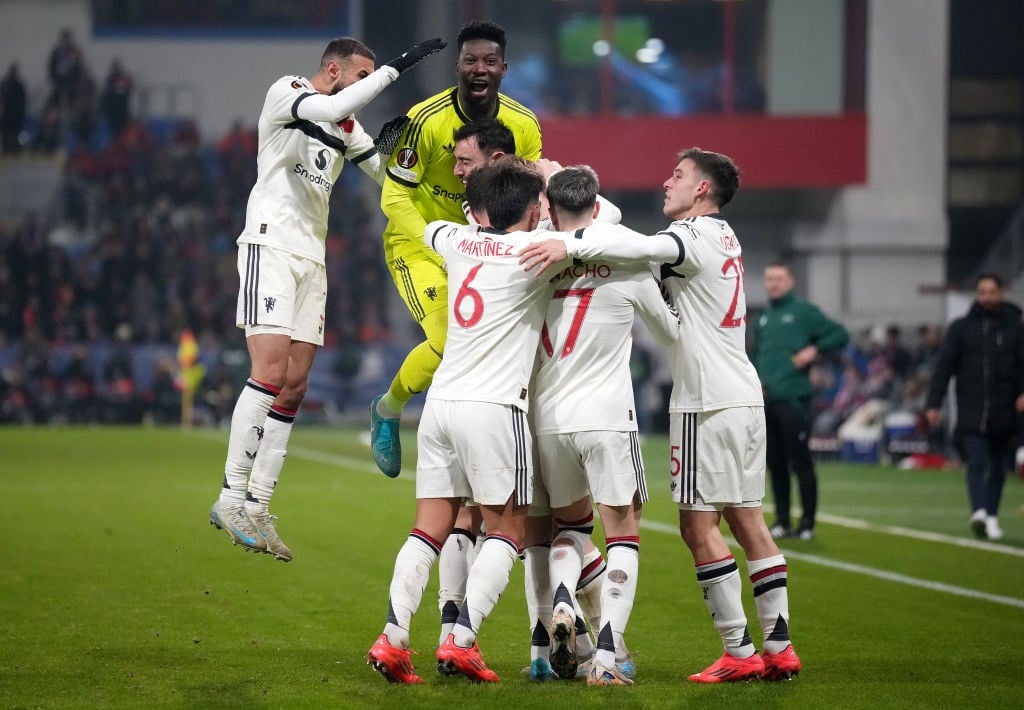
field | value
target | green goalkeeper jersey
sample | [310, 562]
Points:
[421, 185]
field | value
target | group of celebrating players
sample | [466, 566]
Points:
[520, 275]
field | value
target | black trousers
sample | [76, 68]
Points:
[988, 458]
[788, 430]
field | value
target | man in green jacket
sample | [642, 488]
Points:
[790, 334]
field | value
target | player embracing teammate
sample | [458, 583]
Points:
[717, 427]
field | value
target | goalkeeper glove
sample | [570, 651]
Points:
[389, 134]
[416, 53]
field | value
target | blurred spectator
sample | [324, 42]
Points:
[115, 103]
[347, 362]
[163, 399]
[238, 141]
[859, 350]
[120, 404]
[929, 346]
[65, 69]
[77, 384]
[895, 352]
[82, 115]
[849, 397]
[49, 132]
[13, 104]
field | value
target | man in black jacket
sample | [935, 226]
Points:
[984, 351]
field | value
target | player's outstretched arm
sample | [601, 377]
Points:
[604, 242]
[339, 106]
[620, 244]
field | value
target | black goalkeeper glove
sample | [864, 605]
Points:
[387, 139]
[416, 53]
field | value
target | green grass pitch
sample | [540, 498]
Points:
[115, 592]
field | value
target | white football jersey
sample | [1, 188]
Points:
[710, 368]
[583, 381]
[495, 314]
[702, 274]
[304, 140]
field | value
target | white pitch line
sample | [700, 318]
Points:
[921, 535]
[366, 467]
[867, 571]
[904, 579]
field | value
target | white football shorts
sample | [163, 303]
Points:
[607, 465]
[477, 450]
[280, 293]
[717, 458]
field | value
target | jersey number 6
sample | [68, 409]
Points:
[465, 291]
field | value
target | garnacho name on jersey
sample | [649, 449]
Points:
[584, 270]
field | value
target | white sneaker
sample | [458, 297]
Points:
[978, 520]
[992, 529]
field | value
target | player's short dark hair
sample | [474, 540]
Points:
[505, 190]
[573, 189]
[720, 171]
[344, 47]
[779, 264]
[482, 29]
[491, 136]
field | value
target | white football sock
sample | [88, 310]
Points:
[266, 469]
[588, 590]
[452, 570]
[412, 571]
[722, 587]
[247, 422]
[537, 584]
[619, 590]
[566, 560]
[488, 578]
[768, 577]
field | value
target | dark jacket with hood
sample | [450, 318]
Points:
[984, 351]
